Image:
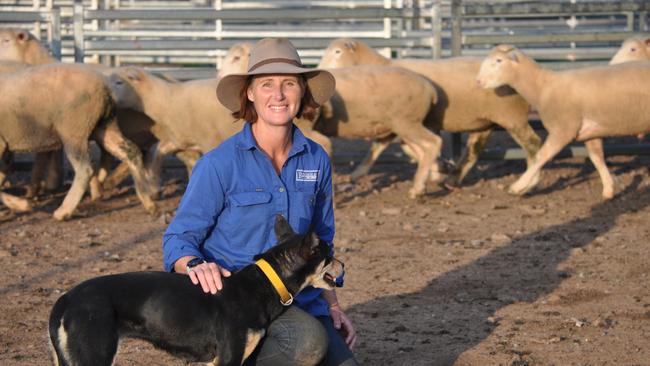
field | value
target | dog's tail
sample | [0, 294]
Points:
[55, 329]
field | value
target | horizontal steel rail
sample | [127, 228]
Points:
[256, 14]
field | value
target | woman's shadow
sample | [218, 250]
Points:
[450, 314]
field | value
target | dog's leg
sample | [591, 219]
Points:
[78, 341]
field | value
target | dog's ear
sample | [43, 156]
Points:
[282, 228]
[311, 246]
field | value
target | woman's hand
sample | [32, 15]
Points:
[208, 275]
[343, 324]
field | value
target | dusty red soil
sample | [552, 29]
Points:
[469, 277]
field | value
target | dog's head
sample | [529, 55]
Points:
[302, 260]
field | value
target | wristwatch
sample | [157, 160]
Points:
[193, 263]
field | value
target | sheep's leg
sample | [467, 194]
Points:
[38, 172]
[154, 161]
[378, 146]
[14, 203]
[528, 140]
[530, 178]
[409, 152]
[54, 177]
[189, 158]
[112, 140]
[116, 177]
[475, 144]
[597, 157]
[78, 154]
[427, 147]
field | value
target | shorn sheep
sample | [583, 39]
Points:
[462, 106]
[55, 106]
[585, 105]
[632, 49]
[381, 102]
[21, 46]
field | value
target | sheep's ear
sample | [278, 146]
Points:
[647, 42]
[512, 55]
[22, 36]
[134, 74]
[351, 45]
[282, 228]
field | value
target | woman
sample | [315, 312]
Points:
[226, 214]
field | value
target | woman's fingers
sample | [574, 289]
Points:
[209, 276]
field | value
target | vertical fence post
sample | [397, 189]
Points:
[643, 21]
[456, 50]
[55, 40]
[436, 29]
[78, 18]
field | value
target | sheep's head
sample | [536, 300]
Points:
[236, 60]
[340, 53]
[127, 85]
[497, 67]
[13, 43]
[632, 49]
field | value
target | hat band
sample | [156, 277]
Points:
[272, 60]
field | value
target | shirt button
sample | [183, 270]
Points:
[281, 189]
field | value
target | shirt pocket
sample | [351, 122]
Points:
[249, 217]
[247, 199]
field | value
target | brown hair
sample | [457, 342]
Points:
[247, 111]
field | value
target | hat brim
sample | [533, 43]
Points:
[321, 83]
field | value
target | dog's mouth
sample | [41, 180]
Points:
[329, 279]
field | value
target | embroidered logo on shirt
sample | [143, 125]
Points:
[307, 175]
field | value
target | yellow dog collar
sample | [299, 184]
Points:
[285, 297]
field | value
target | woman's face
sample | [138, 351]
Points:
[276, 98]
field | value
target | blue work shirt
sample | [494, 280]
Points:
[227, 213]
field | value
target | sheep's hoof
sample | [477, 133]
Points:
[608, 196]
[450, 183]
[415, 193]
[152, 209]
[16, 204]
[61, 215]
[517, 191]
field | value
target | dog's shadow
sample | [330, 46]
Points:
[462, 300]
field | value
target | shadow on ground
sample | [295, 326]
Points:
[459, 302]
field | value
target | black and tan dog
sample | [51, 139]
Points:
[177, 316]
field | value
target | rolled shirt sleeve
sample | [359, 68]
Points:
[196, 215]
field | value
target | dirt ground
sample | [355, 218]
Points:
[468, 277]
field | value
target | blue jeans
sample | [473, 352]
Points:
[297, 338]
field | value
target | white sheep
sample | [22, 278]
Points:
[632, 49]
[47, 107]
[585, 105]
[380, 102]
[20, 45]
[462, 106]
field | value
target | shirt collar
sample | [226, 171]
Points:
[246, 141]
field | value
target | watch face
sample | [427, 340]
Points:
[194, 262]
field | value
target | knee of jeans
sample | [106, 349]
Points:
[308, 343]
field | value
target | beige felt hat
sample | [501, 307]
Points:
[275, 56]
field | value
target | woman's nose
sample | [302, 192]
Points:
[278, 93]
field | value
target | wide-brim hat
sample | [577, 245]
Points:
[275, 56]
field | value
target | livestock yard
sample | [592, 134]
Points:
[485, 266]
